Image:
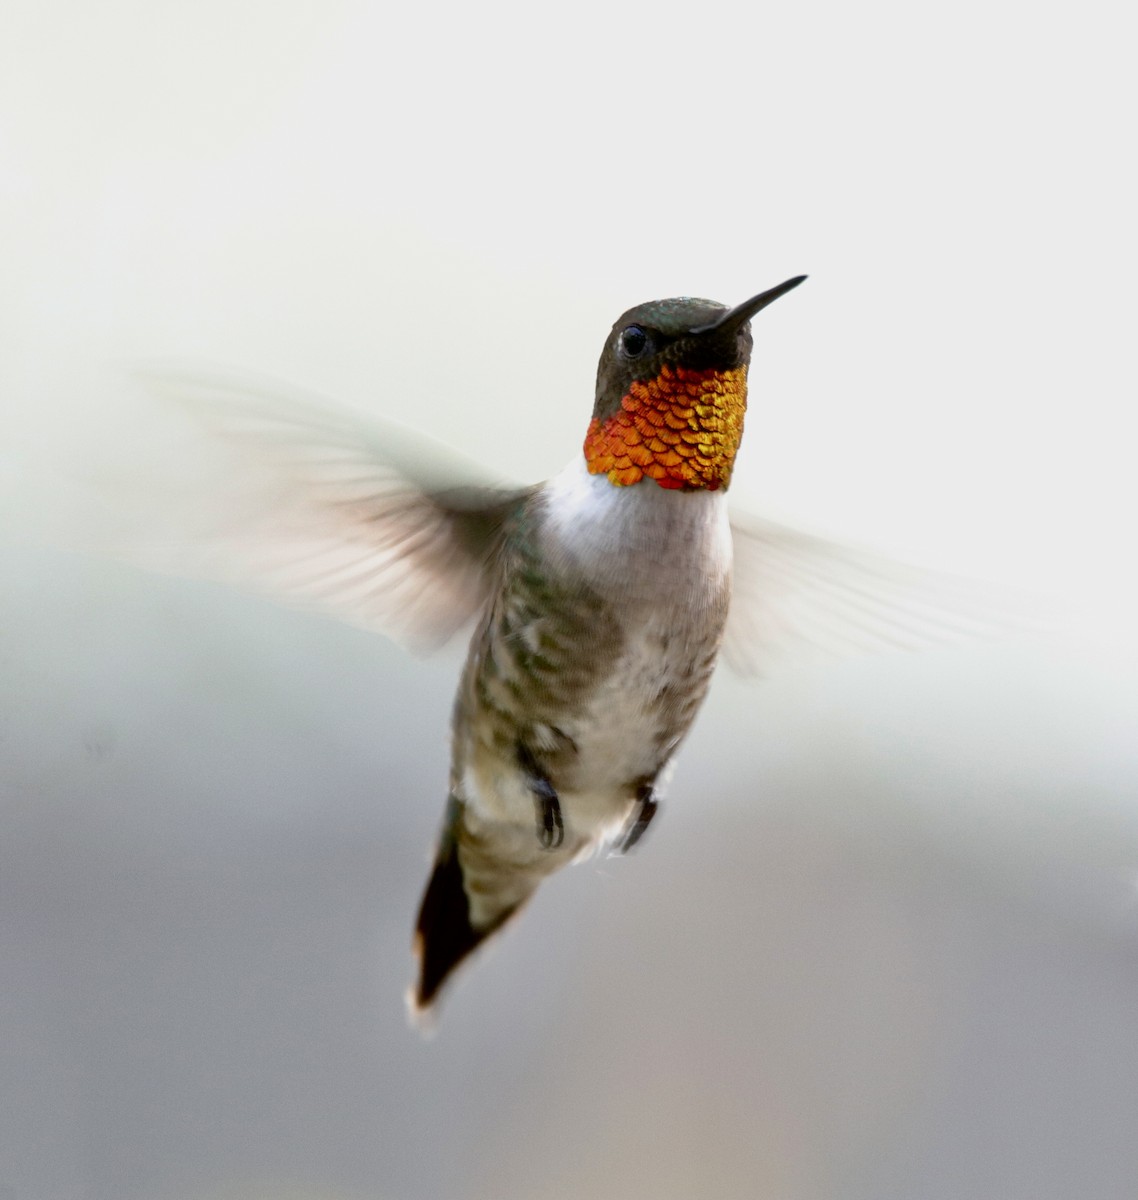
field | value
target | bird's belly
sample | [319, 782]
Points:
[622, 733]
[637, 714]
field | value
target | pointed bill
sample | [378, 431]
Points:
[742, 313]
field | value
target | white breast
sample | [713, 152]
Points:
[663, 558]
[640, 543]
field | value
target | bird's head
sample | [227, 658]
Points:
[672, 391]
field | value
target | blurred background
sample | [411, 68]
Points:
[881, 941]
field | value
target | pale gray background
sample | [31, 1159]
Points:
[882, 941]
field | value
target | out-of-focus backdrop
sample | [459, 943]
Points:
[883, 940]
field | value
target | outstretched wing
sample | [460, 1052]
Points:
[798, 598]
[336, 511]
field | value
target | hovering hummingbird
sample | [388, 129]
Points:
[601, 601]
[604, 601]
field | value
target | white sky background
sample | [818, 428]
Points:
[439, 212]
[435, 214]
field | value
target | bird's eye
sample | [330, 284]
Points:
[633, 341]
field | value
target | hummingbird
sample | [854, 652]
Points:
[600, 600]
[606, 597]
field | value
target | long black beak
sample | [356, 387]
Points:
[742, 313]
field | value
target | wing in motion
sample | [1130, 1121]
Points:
[382, 527]
[364, 520]
[799, 598]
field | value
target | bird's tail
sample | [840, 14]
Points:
[481, 878]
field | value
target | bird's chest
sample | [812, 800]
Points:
[639, 585]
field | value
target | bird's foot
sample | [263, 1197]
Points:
[644, 814]
[550, 826]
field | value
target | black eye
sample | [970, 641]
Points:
[633, 341]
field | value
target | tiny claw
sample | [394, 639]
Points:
[643, 818]
[550, 827]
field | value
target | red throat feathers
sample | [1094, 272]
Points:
[681, 429]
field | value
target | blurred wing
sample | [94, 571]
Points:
[800, 598]
[365, 521]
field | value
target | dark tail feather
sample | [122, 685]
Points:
[444, 935]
